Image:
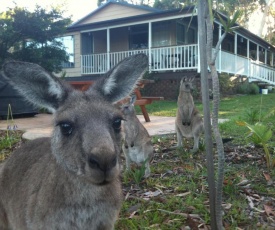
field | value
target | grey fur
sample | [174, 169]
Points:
[189, 122]
[70, 181]
[137, 146]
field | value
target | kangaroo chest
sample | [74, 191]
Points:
[89, 217]
[185, 99]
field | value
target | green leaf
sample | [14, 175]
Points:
[262, 132]
[229, 23]
[210, 10]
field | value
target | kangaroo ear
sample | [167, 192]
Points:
[35, 84]
[120, 81]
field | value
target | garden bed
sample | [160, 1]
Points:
[176, 195]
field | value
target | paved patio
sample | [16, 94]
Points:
[41, 125]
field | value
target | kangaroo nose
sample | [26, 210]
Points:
[93, 162]
[102, 163]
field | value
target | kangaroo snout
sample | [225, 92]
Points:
[102, 163]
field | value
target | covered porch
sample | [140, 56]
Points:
[172, 45]
[179, 58]
[173, 58]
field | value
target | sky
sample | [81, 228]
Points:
[77, 8]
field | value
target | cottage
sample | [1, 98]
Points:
[170, 39]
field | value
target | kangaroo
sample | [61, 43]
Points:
[189, 122]
[137, 145]
[71, 180]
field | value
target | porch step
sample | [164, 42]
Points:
[261, 82]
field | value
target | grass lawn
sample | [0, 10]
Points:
[176, 197]
[230, 107]
[249, 108]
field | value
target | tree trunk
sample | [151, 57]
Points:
[220, 147]
[206, 108]
[216, 101]
[263, 19]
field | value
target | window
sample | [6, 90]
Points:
[268, 56]
[228, 43]
[138, 37]
[180, 34]
[241, 46]
[161, 34]
[191, 36]
[68, 42]
[261, 54]
[86, 43]
[253, 51]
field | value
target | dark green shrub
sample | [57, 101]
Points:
[248, 88]
[242, 88]
[226, 84]
[253, 88]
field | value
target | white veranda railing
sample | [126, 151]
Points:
[175, 58]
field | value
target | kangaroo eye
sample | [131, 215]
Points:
[66, 128]
[117, 124]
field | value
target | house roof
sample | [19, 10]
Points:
[113, 2]
[142, 17]
[151, 15]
